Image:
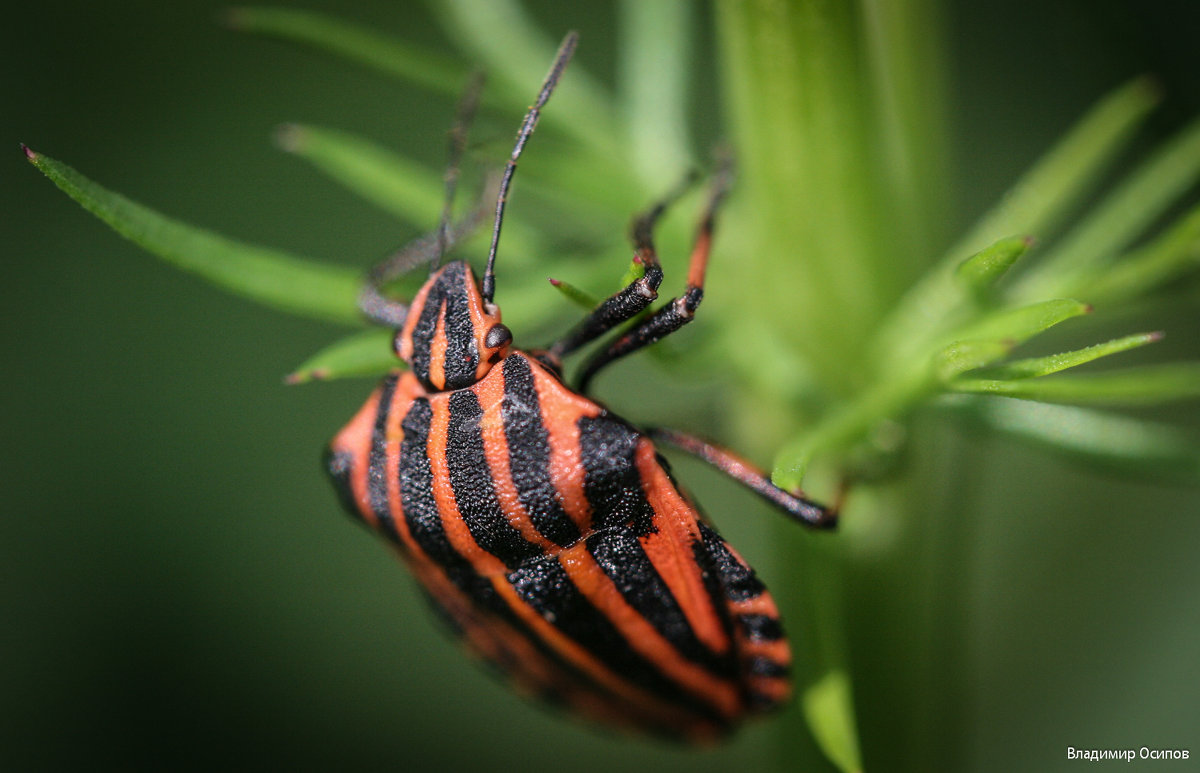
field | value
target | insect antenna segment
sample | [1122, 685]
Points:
[488, 290]
[463, 119]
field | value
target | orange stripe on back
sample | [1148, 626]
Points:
[670, 550]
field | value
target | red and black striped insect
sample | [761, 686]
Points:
[548, 529]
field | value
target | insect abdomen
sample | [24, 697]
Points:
[552, 536]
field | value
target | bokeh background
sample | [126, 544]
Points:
[178, 589]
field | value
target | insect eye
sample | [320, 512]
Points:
[497, 337]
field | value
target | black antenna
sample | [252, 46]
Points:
[531, 118]
[464, 116]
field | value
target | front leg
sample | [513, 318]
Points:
[632, 299]
[678, 311]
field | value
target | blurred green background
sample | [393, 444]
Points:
[180, 590]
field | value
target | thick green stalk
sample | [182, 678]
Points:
[835, 113]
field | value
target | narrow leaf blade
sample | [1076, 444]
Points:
[1022, 323]
[355, 43]
[366, 353]
[1110, 442]
[271, 277]
[1150, 385]
[1171, 254]
[829, 711]
[982, 270]
[409, 190]
[962, 356]
[502, 35]
[1119, 219]
[1035, 367]
[1034, 205]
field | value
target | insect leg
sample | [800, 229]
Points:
[678, 311]
[795, 505]
[634, 297]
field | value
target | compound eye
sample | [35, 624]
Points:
[497, 337]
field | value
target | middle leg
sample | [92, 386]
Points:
[678, 311]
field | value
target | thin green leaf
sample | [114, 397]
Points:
[515, 52]
[358, 44]
[829, 711]
[405, 188]
[1022, 323]
[636, 270]
[1035, 205]
[1149, 385]
[366, 353]
[962, 356]
[575, 295]
[653, 99]
[1121, 218]
[1046, 193]
[1107, 441]
[1171, 254]
[982, 270]
[1035, 367]
[271, 277]
[394, 183]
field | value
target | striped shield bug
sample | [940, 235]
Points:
[548, 529]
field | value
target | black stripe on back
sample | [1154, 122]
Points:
[474, 492]
[462, 350]
[529, 453]
[622, 557]
[737, 580]
[546, 586]
[423, 332]
[377, 494]
[611, 481]
[760, 628]
[760, 665]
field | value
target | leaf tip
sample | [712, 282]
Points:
[1154, 337]
[30, 153]
[290, 137]
[305, 376]
[233, 18]
[554, 282]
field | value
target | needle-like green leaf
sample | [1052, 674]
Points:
[394, 183]
[1120, 219]
[982, 270]
[580, 298]
[514, 50]
[1035, 205]
[1148, 385]
[407, 189]
[1107, 441]
[356, 43]
[962, 356]
[367, 353]
[829, 711]
[1171, 254]
[1022, 323]
[271, 277]
[1043, 366]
